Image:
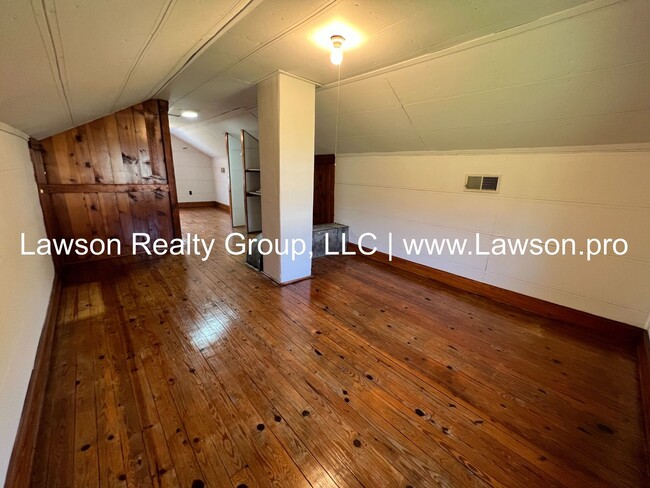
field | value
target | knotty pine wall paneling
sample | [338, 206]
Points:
[110, 178]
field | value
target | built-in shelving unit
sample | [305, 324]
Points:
[252, 182]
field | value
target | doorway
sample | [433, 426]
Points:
[236, 170]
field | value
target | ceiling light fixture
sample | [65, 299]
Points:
[189, 114]
[336, 57]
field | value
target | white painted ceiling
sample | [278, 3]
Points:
[429, 74]
[66, 62]
[209, 136]
[580, 77]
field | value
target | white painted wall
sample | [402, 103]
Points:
[578, 194]
[193, 172]
[286, 107]
[221, 180]
[25, 286]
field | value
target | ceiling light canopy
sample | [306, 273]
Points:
[337, 37]
[189, 114]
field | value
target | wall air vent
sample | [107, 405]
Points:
[488, 183]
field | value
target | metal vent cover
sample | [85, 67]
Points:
[485, 183]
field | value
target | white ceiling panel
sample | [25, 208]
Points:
[619, 128]
[600, 39]
[544, 85]
[28, 75]
[581, 94]
[68, 62]
[262, 27]
[96, 48]
[214, 60]
[277, 37]
[380, 122]
[370, 94]
[383, 143]
[503, 73]
[208, 136]
[174, 43]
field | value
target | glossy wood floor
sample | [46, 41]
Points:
[175, 372]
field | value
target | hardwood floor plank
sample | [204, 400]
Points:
[258, 324]
[507, 406]
[173, 372]
[274, 464]
[536, 456]
[139, 471]
[549, 368]
[345, 369]
[60, 469]
[182, 456]
[109, 442]
[44, 436]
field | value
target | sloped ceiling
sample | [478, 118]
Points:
[580, 77]
[209, 136]
[66, 62]
[429, 74]
[277, 35]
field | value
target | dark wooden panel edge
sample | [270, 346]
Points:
[599, 325]
[49, 216]
[324, 159]
[643, 354]
[163, 109]
[102, 188]
[22, 455]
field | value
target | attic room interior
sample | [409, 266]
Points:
[325, 243]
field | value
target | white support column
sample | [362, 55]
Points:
[286, 109]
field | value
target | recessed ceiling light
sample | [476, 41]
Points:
[189, 114]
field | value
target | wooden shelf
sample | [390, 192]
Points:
[250, 153]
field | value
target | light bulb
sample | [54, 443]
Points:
[337, 49]
[189, 114]
[337, 56]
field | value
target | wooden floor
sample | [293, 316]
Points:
[175, 372]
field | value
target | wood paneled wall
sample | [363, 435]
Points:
[110, 178]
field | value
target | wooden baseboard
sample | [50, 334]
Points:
[597, 324]
[644, 384]
[222, 206]
[219, 205]
[196, 204]
[22, 456]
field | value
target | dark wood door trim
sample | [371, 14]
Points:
[643, 353]
[324, 181]
[325, 159]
